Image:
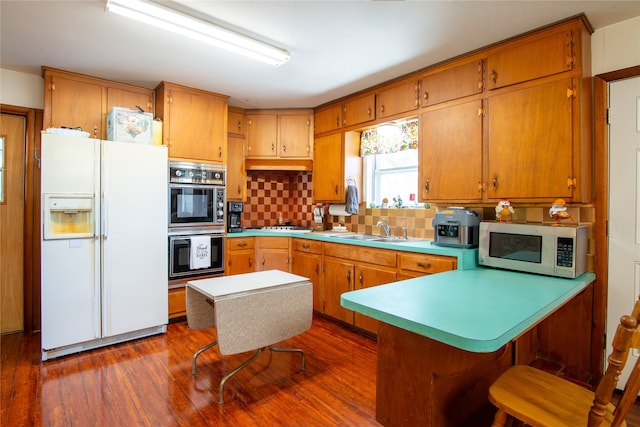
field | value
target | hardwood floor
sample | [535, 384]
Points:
[148, 382]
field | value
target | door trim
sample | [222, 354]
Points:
[31, 249]
[601, 173]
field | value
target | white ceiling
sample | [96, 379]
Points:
[338, 47]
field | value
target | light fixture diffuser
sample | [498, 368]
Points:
[171, 20]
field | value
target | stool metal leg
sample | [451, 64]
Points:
[197, 353]
[297, 350]
[235, 371]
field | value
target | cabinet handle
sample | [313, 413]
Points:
[349, 276]
[317, 269]
[480, 187]
[262, 260]
[495, 182]
[571, 182]
[426, 96]
[480, 85]
[220, 152]
[239, 189]
[273, 146]
[423, 265]
[239, 125]
[336, 189]
[95, 130]
[426, 185]
[250, 262]
[337, 121]
[305, 246]
[494, 76]
[369, 112]
[284, 148]
[361, 279]
[382, 108]
[242, 245]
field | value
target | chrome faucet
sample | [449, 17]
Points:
[385, 226]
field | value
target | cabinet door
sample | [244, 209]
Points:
[236, 122]
[129, 99]
[397, 99]
[77, 103]
[196, 128]
[328, 175]
[294, 136]
[530, 143]
[337, 278]
[360, 110]
[236, 174]
[454, 83]
[366, 277]
[308, 265]
[530, 59]
[451, 140]
[261, 135]
[329, 118]
[239, 262]
[273, 259]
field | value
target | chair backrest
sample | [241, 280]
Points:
[627, 337]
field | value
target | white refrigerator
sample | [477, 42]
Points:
[104, 243]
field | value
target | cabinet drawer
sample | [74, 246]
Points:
[273, 242]
[304, 245]
[177, 303]
[427, 264]
[360, 253]
[240, 243]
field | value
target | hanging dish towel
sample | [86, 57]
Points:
[352, 199]
[200, 256]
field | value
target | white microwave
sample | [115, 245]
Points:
[542, 249]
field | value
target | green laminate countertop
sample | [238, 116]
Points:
[478, 310]
[467, 258]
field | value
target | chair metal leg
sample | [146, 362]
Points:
[297, 350]
[197, 353]
[235, 371]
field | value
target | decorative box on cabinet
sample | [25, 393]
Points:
[240, 255]
[336, 158]
[195, 122]
[453, 83]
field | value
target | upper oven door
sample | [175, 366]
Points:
[192, 205]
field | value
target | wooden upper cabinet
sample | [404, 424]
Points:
[195, 122]
[453, 83]
[236, 173]
[451, 136]
[328, 118]
[531, 58]
[359, 110]
[237, 122]
[397, 99]
[295, 135]
[328, 166]
[130, 99]
[530, 142]
[262, 134]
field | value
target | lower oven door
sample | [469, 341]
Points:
[193, 255]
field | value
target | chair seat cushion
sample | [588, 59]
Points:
[542, 399]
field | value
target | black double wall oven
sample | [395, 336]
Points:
[197, 220]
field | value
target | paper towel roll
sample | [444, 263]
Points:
[338, 210]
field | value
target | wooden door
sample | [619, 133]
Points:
[337, 278]
[360, 110]
[366, 277]
[76, 103]
[12, 141]
[328, 169]
[453, 83]
[530, 146]
[239, 262]
[261, 135]
[398, 99]
[295, 135]
[328, 118]
[451, 139]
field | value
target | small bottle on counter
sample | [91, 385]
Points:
[280, 221]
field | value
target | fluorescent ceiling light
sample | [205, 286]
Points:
[171, 20]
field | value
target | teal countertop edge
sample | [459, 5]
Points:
[467, 258]
[477, 310]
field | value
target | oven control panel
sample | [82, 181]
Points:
[196, 173]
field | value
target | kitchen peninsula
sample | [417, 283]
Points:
[443, 339]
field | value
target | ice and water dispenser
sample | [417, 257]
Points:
[68, 216]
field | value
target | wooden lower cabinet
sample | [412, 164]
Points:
[307, 262]
[177, 303]
[273, 253]
[412, 265]
[240, 256]
[366, 277]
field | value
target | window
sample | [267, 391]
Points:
[390, 158]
